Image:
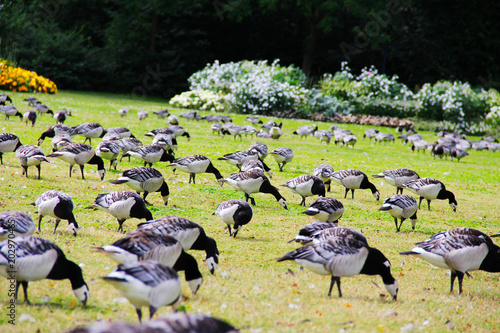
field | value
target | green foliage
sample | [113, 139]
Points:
[318, 102]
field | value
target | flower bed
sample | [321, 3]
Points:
[18, 79]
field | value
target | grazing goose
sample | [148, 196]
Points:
[371, 133]
[150, 154]
[42, 109]
[323, 136]
[261, 149]
[61, 116]
[147, 283]
[263, 134]
[4, 98]
[123, 112]
[304, 236]
[173, 120]
[254, 181]
[59, 205]
[419, 145]
[32, 100]
[270, 124]
[401, 206]
[89, 131]
[54, 130]
[324, 171]
[194, 164]
[233, 130]
[108, 150]
[249, 130]
[168, 142]
[384, 137]
[305, 130]
[126, 144]
[38, 259]
[398, 177]
[352, 180]
[326, 209]
[145, 179]
[349, 140]
[275, 133]
[29, 155]
[122, 132]
[60, 140]
[441, 150]
[282, 156]
[30, 116]
[162, 113]
[236, 213]
[142, 115]
[123, 205]
[257, 164]
[191, 236]
[460, 250]
[191, 115]
[238, 158]
[431, 189]
[8, 143]
[306, 186]
[216, 128]
[10, 111]
[458, 153]
[142, 245]
[179, 131]
[254, 120]
[81, 154]
[15, 223]
[344, 255]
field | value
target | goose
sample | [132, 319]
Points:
[249, 130]
[150, 154]
[30, 116]
[61, 116]
[194, 164]
[254, 120]
[304, 236]
[349, 140]
[419, 145]
[89, 131]
[401, 206]
[162, 113]
[147, 283]
[216, 128]
[145, 179]
[352, 180]
[173, 120]
[371, 133]
[398, 177]
[430, 189]
[305, 130]
[110, 137]
[333, 128]
[261, 149]
[123, 205]
[238, 158]
[257, 164]
[460, 250]
[38, 259]
[15, 223]
[318, 232]
[344, 256]
[441, 150]
[59, 205]
[323, 136]
[326, 209]
[81, 154]
[191, 115]
[30, 155]
[458, 154]
[54, 130]
[108, 150]
[126, 144]
[263, 134]
[10, 111]
[142, 245]
[59, 141]
[324, 171]
[122, 132]
[4, 98]
[380, 137]
[254, 181]
[226, 119]
[179, 131]
[42, 109]
[275, 133]
[270, 124]
[234, 213]
[190, 234]
[414, 137]
[8, 143]
[123, 112]
[282, 156]
[142, 115]
[306, 186]
[233, 130]
[32, 100]
[168, 142]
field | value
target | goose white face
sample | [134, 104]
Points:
[270, 173]
[195, 285]
[453, 206]
[82, 294]
[72, 228]
[283, 203]
[165, 199]
[212, 265]
[393, 289]
[101, 173]
[377, 195]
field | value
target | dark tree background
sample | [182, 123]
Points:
[151, 47]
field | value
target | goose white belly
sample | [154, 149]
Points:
[47, 207]
[152, 184]
[347, 264]
[121, 209]
[8, 146]
[433, 258]
[227, 214]
[304, 188]
[315, 267]
[467, 259]
[352, 182]
[35, 267]
[249, 186]
[150, 157]
[186, 237]
[93, 133]
[80, 158]
[429, 191]
[194, 167]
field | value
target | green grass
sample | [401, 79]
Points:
[250, 289]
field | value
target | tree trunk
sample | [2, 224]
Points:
[312, 40]
[154, 28]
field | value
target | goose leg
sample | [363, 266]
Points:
[452, 279]
[57, 224]
[120, 223]
[25, 289]
[81, 170]
[191, 176]
[39, 222]
[303, 202]
[139, 314]
[327, 184]
[396, 222]
[346, 191]
[144, 197]
[352, 191]
[229, 228]
[25, 170]
[428, 204]
[420, 201]
[338, 286]
[152, 311]
[39, 167]
[1, 158]
[332, 282]
[460, 276]
[401, 223]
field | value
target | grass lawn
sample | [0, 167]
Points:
[250, 289]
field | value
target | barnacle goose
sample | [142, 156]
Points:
[190, 234]
[59, 205]
[352, 180]
[275, 133]
[282, 156]
[233, 130]
[123, 132]
[10, 111]
[254, 181]
[168, 142]
[15, 223]
[344, 255]
[150, 154]
[123, 205]
[173, 120]
[81, 154]
[371, 133]
[270, 124]
[419, 145]
[194, 164]
[249, 130]
[323, 136]
[306, 186]
[30, 116]
[305, 130]
[108, 150]
[431, 189]
[261, 149]
[460, 250]
[89, 131]
[263, 134]
[458, 154]
[324, 171]
[29, 155]
[147, 283]
[42, 109]
[236, 213]
[349, 140]
[257, 164]
[216, 127]
[126, 144]
[304, 236]
[254, 120]
[60, 140]
[142, 115]
[38, 259]
[8, 143]
[179, 131]
[32, 100]
[239, 158]
[326, 209]
[4, 98]
[401, 206]
[142, 245]
[54, 130]
[147, 180]
[162, 113]
[61, 116]
[384, 137]
[123, 112]
[398, 177]
[191, 115]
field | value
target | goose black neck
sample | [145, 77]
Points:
[140, 211]
[445, 194]
[212, 169]
[188, 264]
[164, 191]
[365, 184]
[491, 263]
[65, 269]
[97, 160]
[266, 187]
[377, 264]
[166, 157]
[207, 244]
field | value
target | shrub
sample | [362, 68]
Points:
[317, 102]
[199, 99]
[18, 79]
